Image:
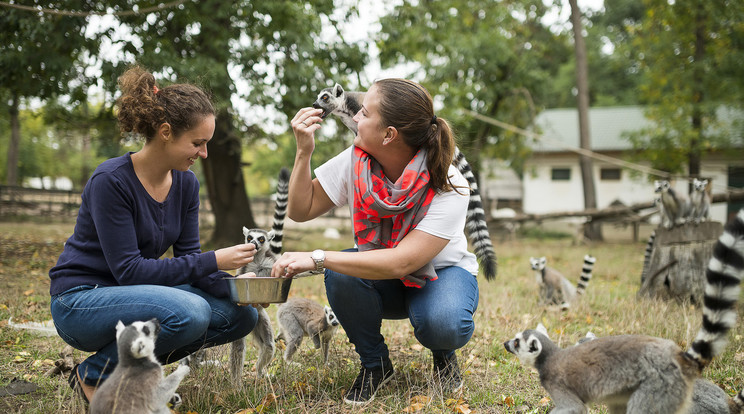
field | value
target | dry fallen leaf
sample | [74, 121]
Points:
[507, 400]
[544, 401]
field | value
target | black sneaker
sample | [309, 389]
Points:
[448, 373]
[367, 383]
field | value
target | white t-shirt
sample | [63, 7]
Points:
[445, 217]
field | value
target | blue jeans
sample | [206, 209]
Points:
[441, 312]
[190, 319]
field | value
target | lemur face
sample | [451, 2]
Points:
[259, 238]
[140, 335]
[331, 317]
[661, 186]
[537, 263]
[526, 346]
[329, 99]
[699, 185]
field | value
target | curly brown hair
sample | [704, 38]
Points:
[143, 107]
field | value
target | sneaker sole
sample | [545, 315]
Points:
[372, 397]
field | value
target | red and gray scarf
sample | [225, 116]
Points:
[384, 213]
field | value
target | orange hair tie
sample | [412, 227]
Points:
[155, 89]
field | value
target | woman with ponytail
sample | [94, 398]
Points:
[408, 206]
[134, 208]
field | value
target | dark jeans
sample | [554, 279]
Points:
[86, 317]
[441, 312]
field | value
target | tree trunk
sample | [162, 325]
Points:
[592, 230]
[225, 184]
[679, 257]
[11, 177]
[694, 155]
[85, 148]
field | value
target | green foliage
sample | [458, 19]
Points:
[684, 52]
[40, 53]
[495, 58]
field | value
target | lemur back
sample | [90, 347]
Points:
[137, 386]
[700, 201]
[636, 373]
[300, 317]
[555, 289]
[268, 248]
[345, 104]
[707, 397]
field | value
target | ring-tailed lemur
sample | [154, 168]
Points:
[137, 385]
[345, 104]
[268, 247]
[647, 256]
[707, 397]
[555, 289]
[700, 201]
[300, 317]
[636, 373]
[676, 207]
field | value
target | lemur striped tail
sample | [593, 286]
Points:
[722, 278]
[586, 274]
[280, 211]
[476, 226]
[739, 401]
[647, 256]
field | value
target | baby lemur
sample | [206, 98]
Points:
[636, 373]
[268, 246]
[137, 385]
[300, 317]
[555, 289]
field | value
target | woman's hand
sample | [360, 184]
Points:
[292, 263]
[231, 258]
[304, 125]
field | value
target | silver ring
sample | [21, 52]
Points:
[303, 123]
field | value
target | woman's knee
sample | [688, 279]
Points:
[444, 330]
[189, 311]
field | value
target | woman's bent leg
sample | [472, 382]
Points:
[86, 317]
[442, 311]
[360, 306]
[228, 322]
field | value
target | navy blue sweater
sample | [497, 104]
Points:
[121, 233]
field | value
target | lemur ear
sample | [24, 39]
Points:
[541, 328]
[270, 235]
[119, 329]
[338, 90]
[245, 231]
[535, 345]
[543, 260]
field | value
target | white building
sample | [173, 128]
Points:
[552, 176]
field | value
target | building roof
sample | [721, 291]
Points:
[560, 128]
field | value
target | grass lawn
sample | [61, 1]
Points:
[495, 382]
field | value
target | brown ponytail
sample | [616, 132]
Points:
[143, 106]
[409, 108]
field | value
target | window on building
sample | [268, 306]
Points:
[560, 174]
[609, 174]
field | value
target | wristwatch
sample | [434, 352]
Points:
[319, 259]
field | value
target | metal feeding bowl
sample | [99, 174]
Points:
[247, 290]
